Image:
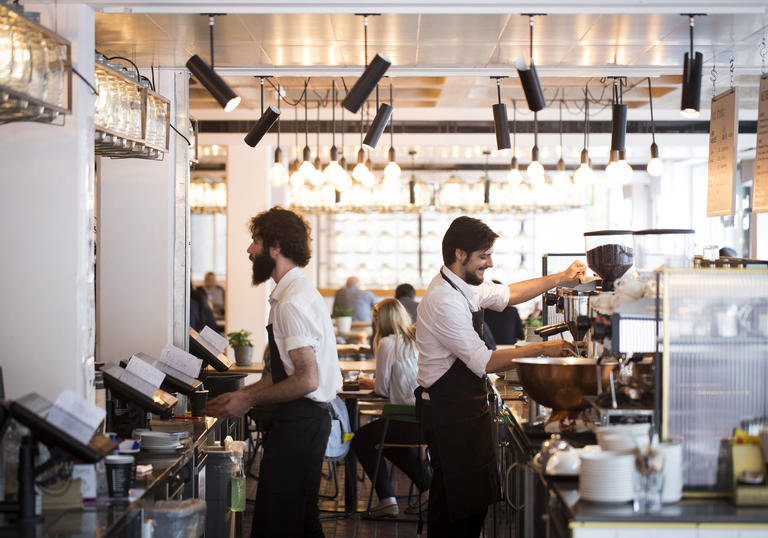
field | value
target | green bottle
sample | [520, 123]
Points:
[237, 488]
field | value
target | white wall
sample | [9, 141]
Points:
[46, 214]
[136, 252]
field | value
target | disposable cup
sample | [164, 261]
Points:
[197, 401]
[119, 478]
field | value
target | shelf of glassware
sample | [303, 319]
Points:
[35, 70]
[382, 250]
[130, 120]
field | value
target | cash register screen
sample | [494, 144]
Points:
[32, 409]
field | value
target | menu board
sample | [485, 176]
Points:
[723, 130]
[760, 183]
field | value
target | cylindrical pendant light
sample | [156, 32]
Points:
[267, 119]
[655, 166]
[500, 121]
[379, 124]
[529, 79]
[212, 82]
[692, 66]
[370, 77]
[618, 117]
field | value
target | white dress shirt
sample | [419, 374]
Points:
[444, 325]
[396, 370]
[299, 319]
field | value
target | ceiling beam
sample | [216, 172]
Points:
[425, 6]
[476, 127]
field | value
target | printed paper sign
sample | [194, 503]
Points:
[213, 340]
[760, 184]
[723, 131]
[145, 371]
[180, 360]
[76, 416]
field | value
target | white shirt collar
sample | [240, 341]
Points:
[465, 289]
[286, 281]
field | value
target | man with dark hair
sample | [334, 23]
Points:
[406, 294]
[305, 376]
[453, 362]
[354, 298]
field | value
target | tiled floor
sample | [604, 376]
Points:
[357, 526]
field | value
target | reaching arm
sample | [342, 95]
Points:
[501, 359]
[303, 381]
[520, 292]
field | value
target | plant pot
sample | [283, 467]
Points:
[344, 324]
[243, 355]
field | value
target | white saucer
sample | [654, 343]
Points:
[162, 449]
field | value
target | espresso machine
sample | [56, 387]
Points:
[597, 331]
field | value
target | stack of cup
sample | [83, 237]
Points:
[673, 471]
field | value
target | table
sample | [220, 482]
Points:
[351, 399]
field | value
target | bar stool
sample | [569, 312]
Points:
[399, 413]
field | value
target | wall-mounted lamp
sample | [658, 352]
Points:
[370, 77]
[265, 123]
[215, 85]
[529, 79]
[692, 64]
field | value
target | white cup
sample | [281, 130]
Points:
[673, 471]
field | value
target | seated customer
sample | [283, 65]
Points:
[395, 351]
[506, 326]
[351, 296]
[406, 294]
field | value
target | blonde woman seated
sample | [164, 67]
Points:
[395, 352]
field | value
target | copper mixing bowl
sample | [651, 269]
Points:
[562, 382]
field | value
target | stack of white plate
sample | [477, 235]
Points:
[160, 441]
[607, 477]
[622, 436]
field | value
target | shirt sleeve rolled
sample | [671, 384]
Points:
[452, 325]
[296, 327]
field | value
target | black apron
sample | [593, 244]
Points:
[459, 419]
[289, 476]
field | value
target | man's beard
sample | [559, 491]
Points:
[471, 278]
[263, 265]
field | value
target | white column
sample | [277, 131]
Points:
[135, 261]
[247, 195]
[46, 214]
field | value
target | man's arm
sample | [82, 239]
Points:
[519, 292]
[303, 381]
[501, 359]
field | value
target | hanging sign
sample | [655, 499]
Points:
[760, 183]
[723, 130]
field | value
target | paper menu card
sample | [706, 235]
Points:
[76, 416]
[180, 360]
[760, 183]
[146, 372]
[213, 340]
[723, 131]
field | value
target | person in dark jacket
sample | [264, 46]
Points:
[505, 326]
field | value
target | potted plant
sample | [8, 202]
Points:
[531, 324]
[343, 318]
[241, 343]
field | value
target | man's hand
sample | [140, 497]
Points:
[574, 271]
[231, 405]
[553, 348]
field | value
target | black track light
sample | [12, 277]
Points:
[265, 123]
[618, 116]
[379, 124]
[370, 77]
[262, 127]
[215, 85]
[692, 66]
[366, 83]
[529, 79]
[500, 121]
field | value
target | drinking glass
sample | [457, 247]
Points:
[648, 489]
[54, 89]
[21, 69]
[6, 50]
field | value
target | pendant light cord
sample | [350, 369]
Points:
[650, 103]
[514, 128]
[530, 41]
[278, 118]
[262, 95]
[365, 38]
[586, 117]
[498, 89]
[318, 129]
[536, 129]
[333, 113]
[691, 23]
[306, 121]
[561, 128]
[210, 33]
[391, 122]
